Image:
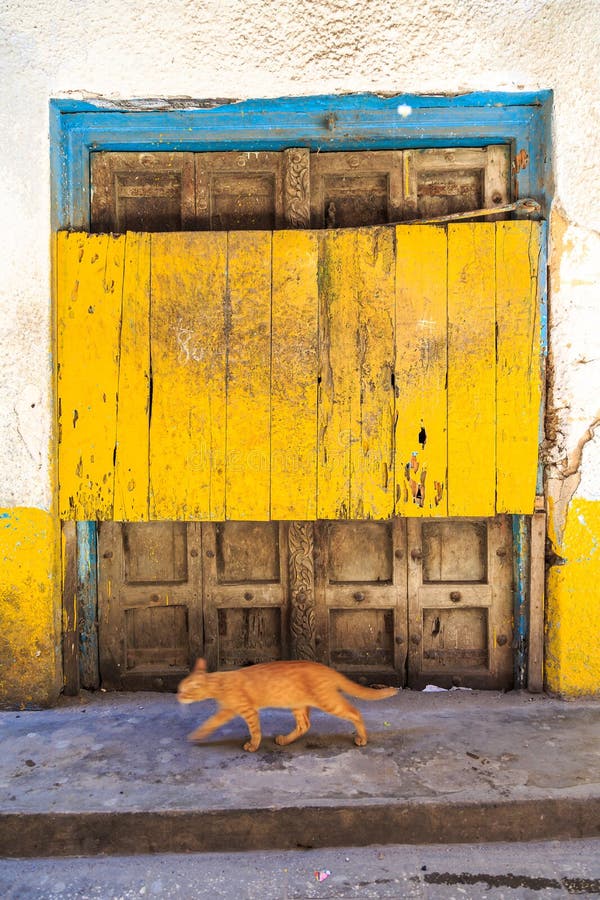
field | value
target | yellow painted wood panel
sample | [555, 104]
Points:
[471, 370]
[188, 325]
[519, 378]
[356, 403]
[247, 491]
[89, 296]
[294, 373]
[272, 391]
[421, 371]
[131, 462]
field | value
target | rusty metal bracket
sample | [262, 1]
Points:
[527, 205]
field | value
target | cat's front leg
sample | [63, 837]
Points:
[219, 718]
[252, 720]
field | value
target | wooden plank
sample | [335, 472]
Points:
[414, 629]
[87, 605]
[372, 455]
[131, 463]
[294, 372]
[519, 367]
[90, 283]
[356, 409]
[535, 660]
[421, 371]
[247, 488]
[70, 643]
[339, 395]
[471, 370]
[187, 430]
[111, 637]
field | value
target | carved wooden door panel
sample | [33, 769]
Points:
[444, 181]
[349, 189]
[150, 603]
[245, 593]
[241, 191]
[142, 192]
[361, 612]
[460, 602]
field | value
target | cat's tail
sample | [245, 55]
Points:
[364, 693]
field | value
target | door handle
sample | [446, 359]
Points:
[455, 596]
[359, 596]
[416, 554]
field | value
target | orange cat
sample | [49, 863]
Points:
[297, 685]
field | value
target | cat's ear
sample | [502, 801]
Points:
[200, 665]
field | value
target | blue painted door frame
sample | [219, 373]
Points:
[320, 123]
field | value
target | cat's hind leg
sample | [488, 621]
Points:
[302, 716]
[344, 710]
[219, 718]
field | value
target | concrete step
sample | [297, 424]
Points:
[113, 773]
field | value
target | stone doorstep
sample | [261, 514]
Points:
[98, 833]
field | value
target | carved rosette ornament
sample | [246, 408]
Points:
[302, 590]
[296, 188]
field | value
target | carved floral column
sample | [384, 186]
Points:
[296, 202]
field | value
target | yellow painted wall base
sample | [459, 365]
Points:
[30, 604]
[573, 605]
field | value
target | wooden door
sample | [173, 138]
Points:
[348, 593]
[361, 598]
[150, 603]
[460, 602]
[246, 615]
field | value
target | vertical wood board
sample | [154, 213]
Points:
[294, 373]
[339, 395]
[131, 460]
[372, 454]
[519, 376]
[248, 325]
[471, 370]
[187, 430]
[90, 285]
[421, 371]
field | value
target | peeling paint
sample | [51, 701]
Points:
[29, 616]
[573, 604]
[563, 484]
[521, 161]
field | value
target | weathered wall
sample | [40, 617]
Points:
[227, 48]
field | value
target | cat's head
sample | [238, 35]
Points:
[194, 687]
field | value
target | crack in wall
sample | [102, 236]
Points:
[561, 487]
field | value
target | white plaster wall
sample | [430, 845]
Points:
[228, 48]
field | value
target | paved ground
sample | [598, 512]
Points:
[114, 773]
[541, 871]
